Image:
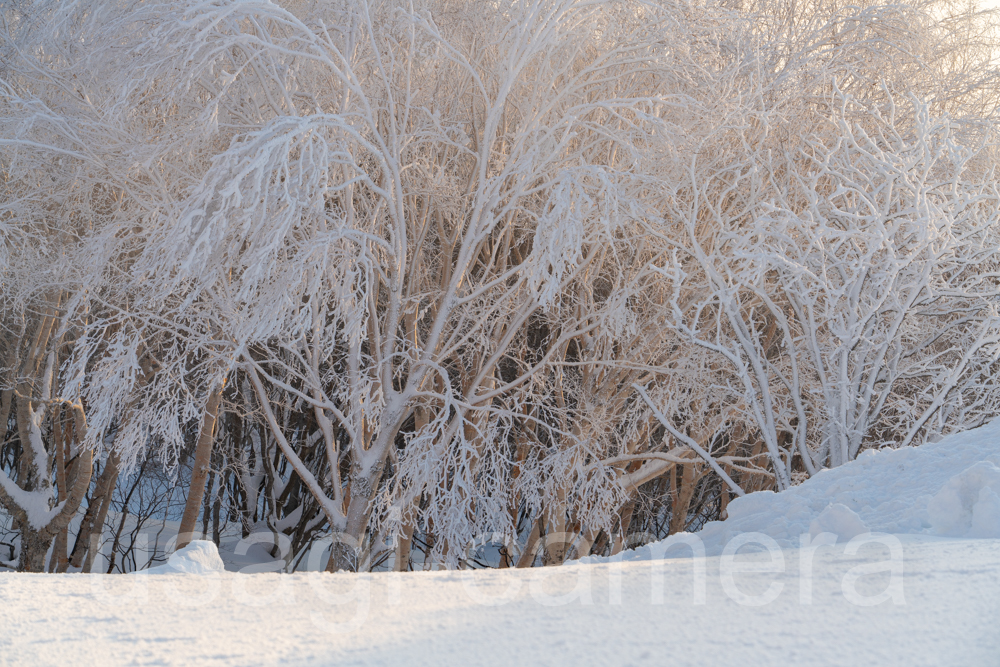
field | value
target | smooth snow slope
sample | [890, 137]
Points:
[912, 599]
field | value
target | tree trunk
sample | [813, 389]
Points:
[34, 546]
[624, 523]
[59, 561]
[97, 510]
[35, 542]
[346, 547]
[403, 547]
[682, 498]
[530, 546]
[94, 541]
[202, 463]
[206, 509]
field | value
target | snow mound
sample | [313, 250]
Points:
[948, 488]
[198, 557]
[969, 504]
[840, 520]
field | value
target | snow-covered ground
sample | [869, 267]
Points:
[793, 578]
[639, 613]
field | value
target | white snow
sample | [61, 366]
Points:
[633, 613]
[198, 557]
[839, 520]
[810, 586]
[968, 505]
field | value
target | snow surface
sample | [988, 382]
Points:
[632, 613]
[839, 520]
[968, 504]
[198, 557]
[926, 594]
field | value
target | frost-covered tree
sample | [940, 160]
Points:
[535, 273]
[80, 362]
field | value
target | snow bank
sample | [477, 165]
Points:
[950, 488]
[969, 504]
[198, 557]
[839, 520]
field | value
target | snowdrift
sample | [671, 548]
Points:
[950, 489]
[198, 557]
